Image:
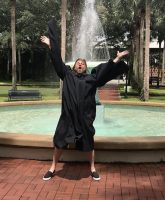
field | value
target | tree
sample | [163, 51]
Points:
[63, 34]
[13, 42]
[147, 43]
[158, 29]
[63, 28]
[31, 23]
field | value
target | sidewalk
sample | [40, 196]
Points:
[22, 179]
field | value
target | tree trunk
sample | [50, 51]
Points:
[63, 29]
[8, 59]
[13, 43]
[163, 65]
[136, 44]
[159, 63]
[63, 34]
[19, 65]
[141, 49]
[136, 53]
[145, 91]
[8, 63]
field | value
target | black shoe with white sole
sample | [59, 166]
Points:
[48, 175]
[95, 176]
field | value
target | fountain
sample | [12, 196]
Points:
[90, 34]
[135, 135]
[127, 132]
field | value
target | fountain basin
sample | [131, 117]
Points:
[111, 120]
[108, 148]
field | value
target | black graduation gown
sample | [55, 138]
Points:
[78, 97]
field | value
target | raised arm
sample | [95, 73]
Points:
[110, 70]
[120, 55]
[55, 52]
[45, 40]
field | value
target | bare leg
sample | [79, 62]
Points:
[94, 174]
[91, 156]
[56, 157]
[51, 172]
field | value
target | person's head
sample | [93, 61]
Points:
[80, 66]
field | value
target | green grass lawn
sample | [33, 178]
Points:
[51, 92]
[48, 92]
[151, 99]
[155, 94]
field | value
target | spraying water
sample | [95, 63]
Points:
[90, 34]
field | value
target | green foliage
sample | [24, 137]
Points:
[116, 22]
[120, 18]
[31, 21]
[117, 16]
[4, 16]
[4, 24]
[4, 38]
[158, 20]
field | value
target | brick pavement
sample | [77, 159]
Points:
[22, 180]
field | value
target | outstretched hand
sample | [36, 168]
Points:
[45, 40]
[120, 55]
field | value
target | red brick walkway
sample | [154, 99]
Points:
[22, 179]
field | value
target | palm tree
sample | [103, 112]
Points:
[145, 91]
[141, 41]
[163, 65]
[138, 44]
[158, 32]
[13, 43]
[63, 34]
[63, 28]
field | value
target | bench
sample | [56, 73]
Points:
[24, 95]
[153, 79]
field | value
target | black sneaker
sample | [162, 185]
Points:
[95, 176]
[48, 175]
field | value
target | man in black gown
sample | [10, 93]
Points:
[78, 100]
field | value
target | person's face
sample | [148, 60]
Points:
[80, 66]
